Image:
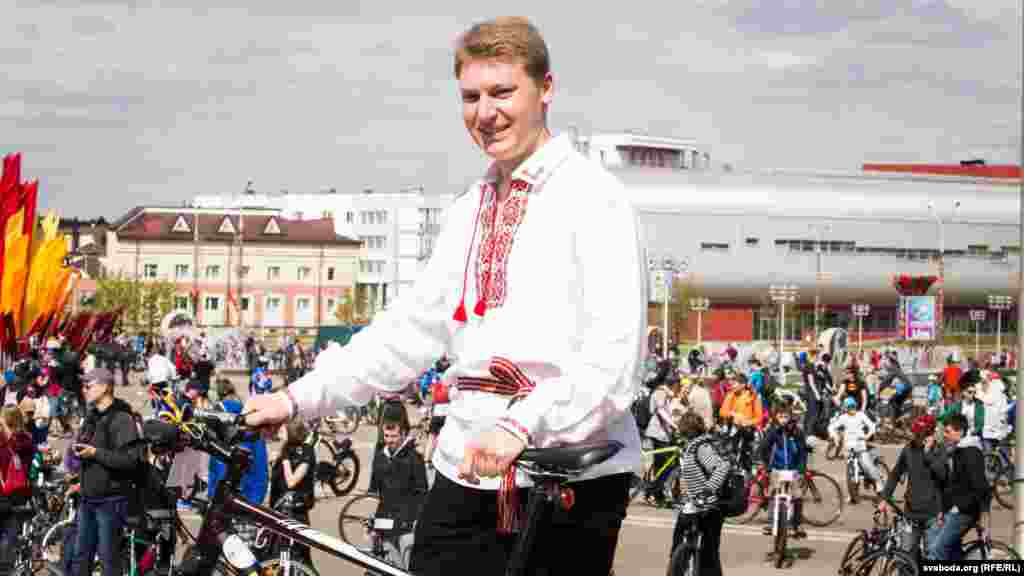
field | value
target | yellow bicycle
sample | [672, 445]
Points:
[669, 471]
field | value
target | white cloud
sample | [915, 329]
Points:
[120, 103]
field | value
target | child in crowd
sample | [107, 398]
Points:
[785, 448]
[856, 428]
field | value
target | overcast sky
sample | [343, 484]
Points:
[116, 103]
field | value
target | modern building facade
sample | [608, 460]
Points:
[840, 238]
[258, 270]
[398, 228]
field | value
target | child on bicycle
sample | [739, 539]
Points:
[923, 462]
[399, 476]
[785, 448]
[857, 428]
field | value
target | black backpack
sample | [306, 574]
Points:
[732, 496]
[641, 409]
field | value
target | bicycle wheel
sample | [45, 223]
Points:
[852, 555]
[346, 474]
[782, 525]
[356, 520]
[1002, 488]
[977, 550]
[347, 420]
[823, 499]
[758, 497]
[637, 485]
[683, 562]
[887, 563]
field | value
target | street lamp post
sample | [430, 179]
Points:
[978, 316]
[669, 267]
[999, 304]
[782, 293]
[818, 276]
[699, 305]
[860, 311]
[941, 264]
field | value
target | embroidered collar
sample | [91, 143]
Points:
[540, 165]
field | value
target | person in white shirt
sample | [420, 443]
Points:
[856, 428]
[992, 394]
[160, 371]
[540, 262]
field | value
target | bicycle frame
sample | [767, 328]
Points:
[781, 498]
[669, 462]
[227, 505]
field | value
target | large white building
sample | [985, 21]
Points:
[398, 229]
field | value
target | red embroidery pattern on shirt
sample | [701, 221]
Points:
[497, 235]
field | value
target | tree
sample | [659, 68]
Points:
[345, 311]
[679, 308]
[144, 303]
[157, 302]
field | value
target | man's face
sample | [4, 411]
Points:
[951, 434]
[93, 390]
[783, 419]
[503, 108]
[392, 437]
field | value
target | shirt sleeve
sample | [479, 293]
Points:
[597, 382]
[400, 343]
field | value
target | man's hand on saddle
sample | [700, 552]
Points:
[489, 455]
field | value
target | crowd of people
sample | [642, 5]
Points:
[968, 413]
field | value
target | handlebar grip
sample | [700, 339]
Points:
[217, 415]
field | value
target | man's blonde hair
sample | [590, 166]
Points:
[506, 38]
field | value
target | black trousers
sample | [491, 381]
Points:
[456, 532]
[710, 524]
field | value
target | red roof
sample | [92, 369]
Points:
[976, 171]
[159, 226]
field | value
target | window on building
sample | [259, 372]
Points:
[348, 217]
[181, 271]
[181, 302]
[752, 242]
[274, 303]
[212, 272]
[331, 305]
[302, 305]
[382, 217]
[244, 304]
[273, 272]
[714, 246]
[304, 272]
[149, 271]
[212, 303]
[244, 271]
[330, 273]
[362, 218]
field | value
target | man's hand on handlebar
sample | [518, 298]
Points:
[267, 411]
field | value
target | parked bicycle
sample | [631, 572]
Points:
[669, 472]
[822, 497]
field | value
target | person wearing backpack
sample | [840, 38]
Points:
[704, 473]
[16, 452]
[109, 452]
[659, 431]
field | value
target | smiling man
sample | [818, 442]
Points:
[535, 291]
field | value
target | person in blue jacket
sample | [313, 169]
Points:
[785, 448]
[257, 478]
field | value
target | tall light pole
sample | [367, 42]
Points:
[860, 311]
[780, 294]
[999, 304]
[669, 267]
[940, 262]
[818, 275]
[699, 305]
[977, 316]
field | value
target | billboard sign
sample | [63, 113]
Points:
[919, 312]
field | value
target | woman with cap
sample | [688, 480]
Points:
[923, 462]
